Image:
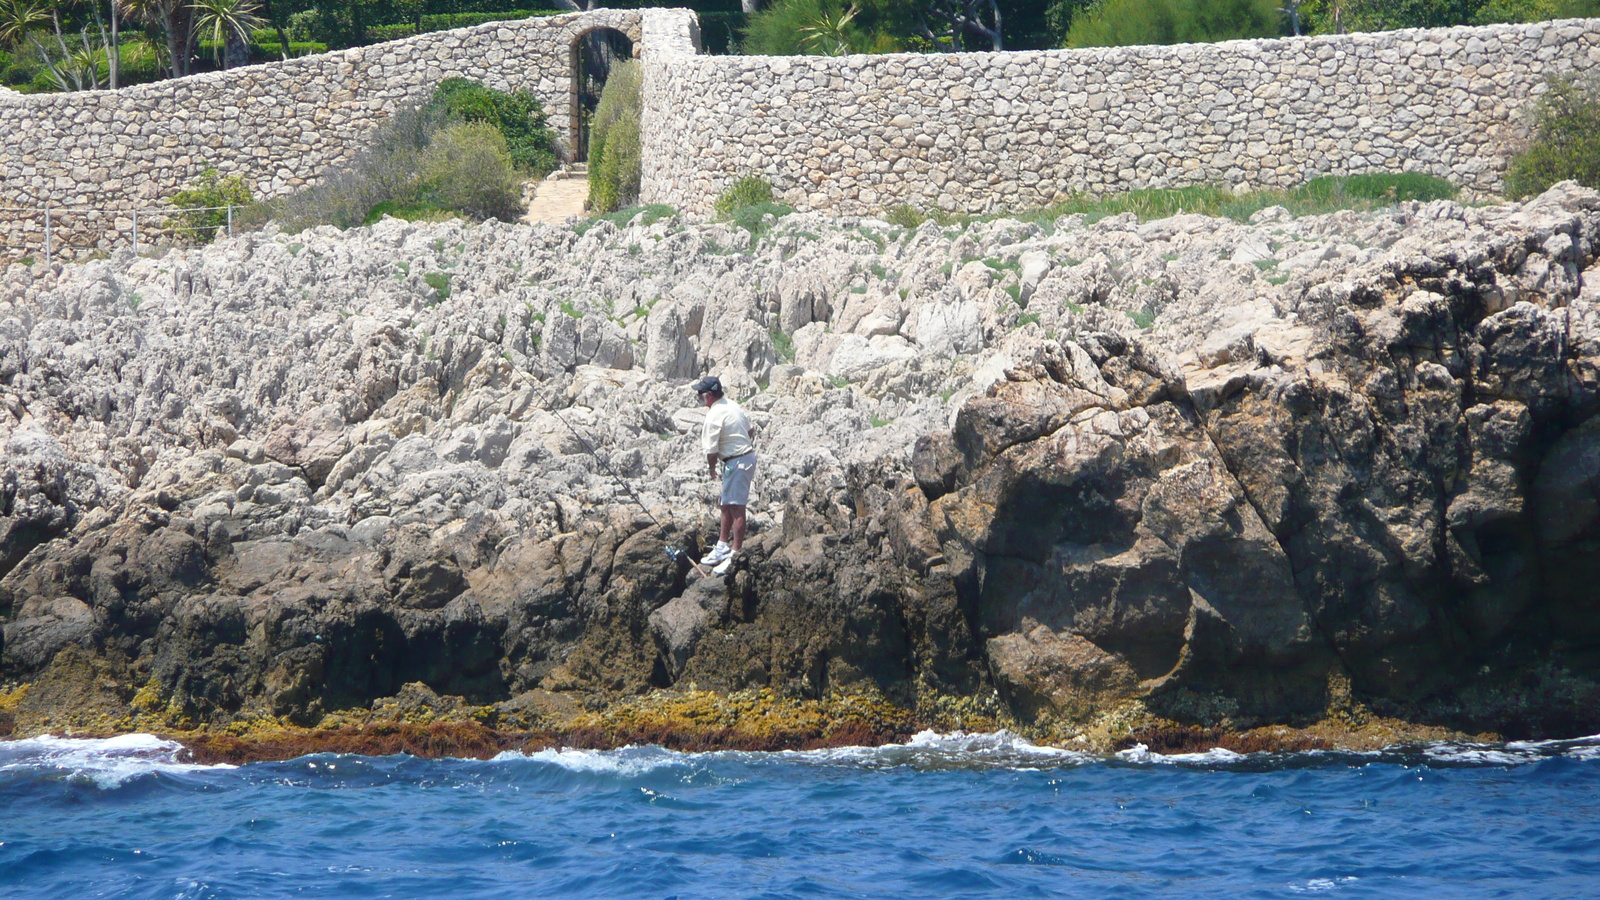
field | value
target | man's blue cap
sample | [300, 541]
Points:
[708, 384]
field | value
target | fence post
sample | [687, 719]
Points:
[230, 220]
[47, 250]
[136, 232]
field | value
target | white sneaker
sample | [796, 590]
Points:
[718, 553]
[722, 569]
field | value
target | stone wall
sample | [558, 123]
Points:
[979, 131]
[97, 156]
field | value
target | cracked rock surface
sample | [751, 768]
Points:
[1068, 466]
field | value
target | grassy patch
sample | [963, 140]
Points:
[753, 218]
[878, 421]
[783, 345]
[1027, 319]
[1144, 318]
[1318, 196]
[571, 310]
[411, 211]
[909, 217]
[440, 282]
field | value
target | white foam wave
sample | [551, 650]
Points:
[108, 762]
[998, 749]
[1481, 754]
[943, 750]
[628, 760]
[1139, 753]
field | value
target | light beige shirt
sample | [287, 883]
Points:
[727, 430]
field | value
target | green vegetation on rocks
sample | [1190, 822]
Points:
[1317, 196]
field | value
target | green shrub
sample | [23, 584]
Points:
[747, 191]
[467, 168]
[518, 116]
[204, 204]
[1566, 140]
[1497, 11]
[1120, 23]
[615, 155]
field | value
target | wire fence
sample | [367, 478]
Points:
[68, 233]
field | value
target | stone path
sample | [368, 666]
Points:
[558, 199]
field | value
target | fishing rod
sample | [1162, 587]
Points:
[673, 553]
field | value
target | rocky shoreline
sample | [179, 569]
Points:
[1293, 482]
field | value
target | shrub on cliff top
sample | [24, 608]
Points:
[452, 155]
[204, 206]
[468, 168]
[1566, 141]
[518, 116]
[615, 153]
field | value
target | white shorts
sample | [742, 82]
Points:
[737, 473]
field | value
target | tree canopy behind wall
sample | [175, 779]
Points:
[1119, 23]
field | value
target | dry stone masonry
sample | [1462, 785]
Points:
[970, 132]
[96, 156]
[977, 131]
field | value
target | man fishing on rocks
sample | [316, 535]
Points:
[726, 439]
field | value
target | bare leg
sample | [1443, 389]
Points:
[735, 517]
[727, 523]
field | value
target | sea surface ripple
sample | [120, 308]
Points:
[986, 815]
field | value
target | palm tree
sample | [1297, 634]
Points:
[228, 24]
[829, 33]
[18, 17]
[172, 17]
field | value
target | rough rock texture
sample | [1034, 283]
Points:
[280, 476]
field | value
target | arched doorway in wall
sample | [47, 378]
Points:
[593, 54]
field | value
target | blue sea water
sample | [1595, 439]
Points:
[942, 816]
